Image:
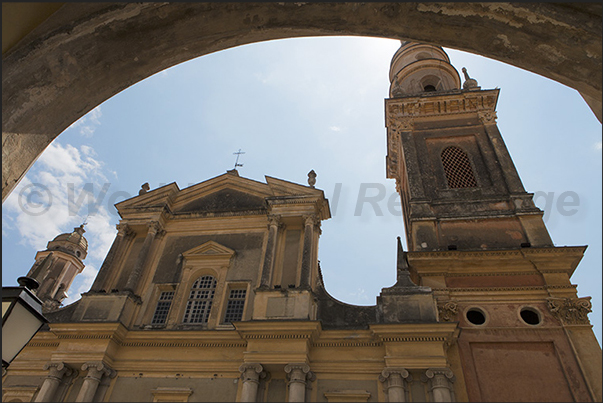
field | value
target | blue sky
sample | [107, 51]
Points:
[292, 106]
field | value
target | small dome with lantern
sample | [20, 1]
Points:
[418, 69]
[74, 243]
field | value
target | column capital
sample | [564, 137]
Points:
[274, 220]
[305, 368]
[252, 372]
[98, 369]
[58, 369]
[311, 219]
[430, 373]
[124, 229]
[154, 227]
[387, 372]
[297, 372]
[439, 378]
[570, 311]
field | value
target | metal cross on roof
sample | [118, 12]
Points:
[238, 154]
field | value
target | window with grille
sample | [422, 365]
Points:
[199, 300]
[163, 307]
[457, 167]
[234, 308]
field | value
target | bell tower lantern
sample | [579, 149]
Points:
[458, 185]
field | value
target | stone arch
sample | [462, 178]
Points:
[84, 53]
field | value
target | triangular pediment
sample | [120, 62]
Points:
[209, 250]
[224, 193]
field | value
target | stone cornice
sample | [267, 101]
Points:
[43, 344]
[344, 343]
[183, 344]
[411, 332]
[505, 289]
[279, 329]
[487, 253]
[109, 331]
[211, 214]
[486, 274]
[534, 260]
[452, 103]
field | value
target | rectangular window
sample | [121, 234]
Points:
[163, 307]
[234, 308]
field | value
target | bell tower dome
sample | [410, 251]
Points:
[56, 267]
[419, 68]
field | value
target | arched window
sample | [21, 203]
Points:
[199, 300]
[457, 167]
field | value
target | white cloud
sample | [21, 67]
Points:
[88, 123]
[42, 206]
[335, 128]
[598, 145]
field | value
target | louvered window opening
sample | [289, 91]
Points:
[234, 308]
[163, 307]
[457, 167]
[200, 300]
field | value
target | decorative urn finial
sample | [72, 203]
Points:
[470, 83]
[144, 188]
[311, 178]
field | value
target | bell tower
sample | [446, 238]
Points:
[56, 267]
[477, 240]
[458, 185]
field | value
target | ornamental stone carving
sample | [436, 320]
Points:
[439, 381]
[398, 124]
[96, 371]
[155, 228]
[124, 229]
[395, 380]
[447, 311]
[487, 117]
[251, 373]
[56, 373]
[312, 220]
[571, 311]
[297, 374]
[274, 220]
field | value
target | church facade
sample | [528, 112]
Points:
[215, 293]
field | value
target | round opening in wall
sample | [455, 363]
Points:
[476, 316]
[530, 316]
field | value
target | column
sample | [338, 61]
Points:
[394, 378]
[440, 384]
[105, 382]
[51, 383]
[310, 222]
[250, 375]
[296, 374]
[96, 370]
[268, 269]
[132, 283]
[123, 230]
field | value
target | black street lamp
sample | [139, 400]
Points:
[21, 317]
